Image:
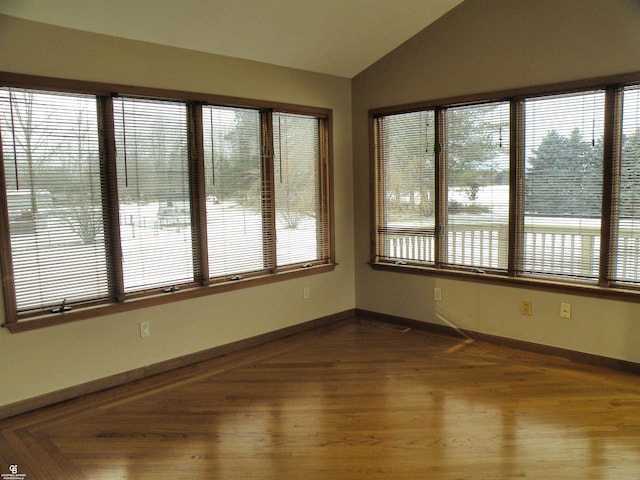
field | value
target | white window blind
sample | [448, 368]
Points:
[563, 184]
[52, 168]
[406, 186]
[299, 217]
[626, 256]
[153, 189]
[477, 166]
[233, 189]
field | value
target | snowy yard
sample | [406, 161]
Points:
[155, 253]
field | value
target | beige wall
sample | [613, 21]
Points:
[50, 359]
[485, 46]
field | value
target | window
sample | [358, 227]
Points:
[563, 184]
[298, 196]
[54, 200]
[153, 193]
[406, 182]
[477, 185]
[233, 190]
[113, 198]
[625, 258]
[476, 191]
[537, 187]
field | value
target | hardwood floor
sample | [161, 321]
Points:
[356, 400]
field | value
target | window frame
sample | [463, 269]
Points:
[201, 285]
[604, 285]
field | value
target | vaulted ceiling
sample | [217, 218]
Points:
[336, 37]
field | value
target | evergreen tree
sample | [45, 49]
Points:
[630, 176]
[564, 177]
[474, 139]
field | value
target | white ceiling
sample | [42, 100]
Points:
[336, 37]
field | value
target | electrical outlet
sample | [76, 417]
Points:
[526, 307]
[565, 310]
[437, 294]
[306, 293]
[145, 329]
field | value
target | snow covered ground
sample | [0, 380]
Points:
[155, 253]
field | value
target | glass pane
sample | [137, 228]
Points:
[563, 184]
[297, 188]
[153, 189]
[406, 201]
[627, 258]
[52, 166]
[233, 187]
[477, 163]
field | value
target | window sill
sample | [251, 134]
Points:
[83, 313]
[537, 283]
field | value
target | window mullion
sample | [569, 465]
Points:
[516, 188]
[377, 167]
[197, 195]
[440, 188]
[611, 183]
[326, 244]
[268, 191]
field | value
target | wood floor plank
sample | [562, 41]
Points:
[366, 400]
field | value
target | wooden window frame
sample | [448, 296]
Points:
[603, 287]
[202, 284]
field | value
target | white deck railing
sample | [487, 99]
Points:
[552, 247]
